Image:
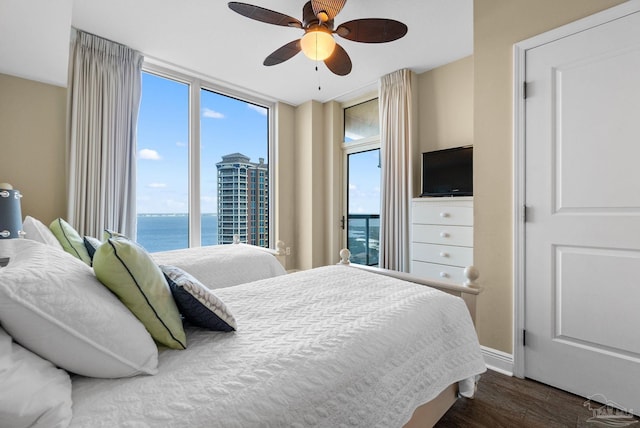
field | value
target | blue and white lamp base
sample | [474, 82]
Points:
[10, 212]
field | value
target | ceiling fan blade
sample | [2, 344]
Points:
[372, 30]
[339, 62]
[283, 53]
[264, 15]
[326, 10]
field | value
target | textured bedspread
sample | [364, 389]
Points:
[332, 347]
[219, 266]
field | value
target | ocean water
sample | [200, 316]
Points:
[162, 232]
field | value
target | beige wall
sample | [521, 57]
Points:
[308, 175]
[32, 145]
[333, 180]
[445, 111]
[310, 193]
[498, 24]
[445, 104]
[284, 216]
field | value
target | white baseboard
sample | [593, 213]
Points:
[498, 361]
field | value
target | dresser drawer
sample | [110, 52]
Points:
[443, 254]
[439, 213]
[443, 234]
[438, 272]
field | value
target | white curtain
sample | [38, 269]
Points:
[395, 139]
[103, 102]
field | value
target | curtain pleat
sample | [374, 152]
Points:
[105, 85]
[395, 140]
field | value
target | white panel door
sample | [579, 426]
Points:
[582, 234]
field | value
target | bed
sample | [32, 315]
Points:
[329, 347]
[240, 263]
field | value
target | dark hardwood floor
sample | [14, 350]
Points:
[504, 401]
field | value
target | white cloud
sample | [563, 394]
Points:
[207, 112]
[149, 154]
[157, 185]
[352, 186]
[258, 109]
[181, 144]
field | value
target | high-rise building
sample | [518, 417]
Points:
[243, 200]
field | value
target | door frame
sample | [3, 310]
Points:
[363, 145]
[519, 186]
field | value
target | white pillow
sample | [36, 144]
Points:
[37, 231]
[34, 392]
[53, 304]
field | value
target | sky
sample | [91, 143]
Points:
[228, 126]
[364, 182]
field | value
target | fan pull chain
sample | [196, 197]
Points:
[318, 75]
[317, 72]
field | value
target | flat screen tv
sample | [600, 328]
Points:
[448, 172]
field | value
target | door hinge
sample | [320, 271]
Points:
[524, 213]
[524, 337]
[342, 225]
[524, 90]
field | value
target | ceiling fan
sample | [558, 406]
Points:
[317, 42]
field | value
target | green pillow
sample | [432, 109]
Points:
[70, 240]
[108, 233]
[127, 269]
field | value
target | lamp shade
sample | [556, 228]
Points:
[317, 44]
[10, 214]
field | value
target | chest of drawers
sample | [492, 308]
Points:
[442, 238]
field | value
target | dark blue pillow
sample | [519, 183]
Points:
[91, 244]
[197, 303]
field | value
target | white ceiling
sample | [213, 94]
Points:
[207, 38]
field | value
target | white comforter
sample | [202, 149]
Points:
[330, 347]
[219, 266]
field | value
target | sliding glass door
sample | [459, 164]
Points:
[363, 214]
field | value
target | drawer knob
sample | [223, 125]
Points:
[444, 214]
[444, 235]
[443, 254]
[444, 275]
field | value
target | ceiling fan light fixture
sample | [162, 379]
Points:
[317, 44]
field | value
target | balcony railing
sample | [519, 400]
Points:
[364, 238]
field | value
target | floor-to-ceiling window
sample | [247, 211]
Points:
[162, 185]
[203, 164]
[362, 158]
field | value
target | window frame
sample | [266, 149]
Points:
[196, 84]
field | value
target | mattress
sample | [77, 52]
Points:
[329, 347]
